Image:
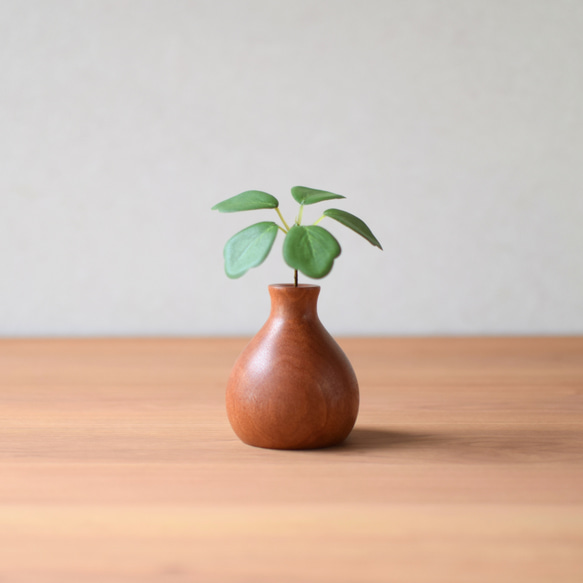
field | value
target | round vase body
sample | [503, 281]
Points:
[292, 387]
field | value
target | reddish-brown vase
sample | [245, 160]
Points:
[292, 387]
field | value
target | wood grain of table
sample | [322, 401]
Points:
[117, 464]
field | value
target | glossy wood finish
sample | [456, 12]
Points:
[292, 387]
[117, 464]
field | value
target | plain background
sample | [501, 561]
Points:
[454, 128]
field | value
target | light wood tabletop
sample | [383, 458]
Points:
[117, 463]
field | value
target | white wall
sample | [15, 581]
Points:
[455, 128]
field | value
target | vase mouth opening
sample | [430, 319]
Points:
[292, 286]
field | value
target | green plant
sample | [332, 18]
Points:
[310, 249]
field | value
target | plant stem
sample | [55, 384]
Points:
[301, 213]
[282, 219]
[295, 278]
[322, 217]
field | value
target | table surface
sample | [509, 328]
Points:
[117, 463]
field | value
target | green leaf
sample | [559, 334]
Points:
[354, 223]
[305, 195]
[311, 250]
[247, 201]
[249, 248]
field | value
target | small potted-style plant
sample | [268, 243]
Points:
[292, 387]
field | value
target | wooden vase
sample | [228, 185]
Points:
[292, 387]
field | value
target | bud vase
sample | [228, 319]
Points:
[292, 387]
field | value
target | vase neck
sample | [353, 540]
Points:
[289, 301]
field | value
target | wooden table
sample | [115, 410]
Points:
[118, 465]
